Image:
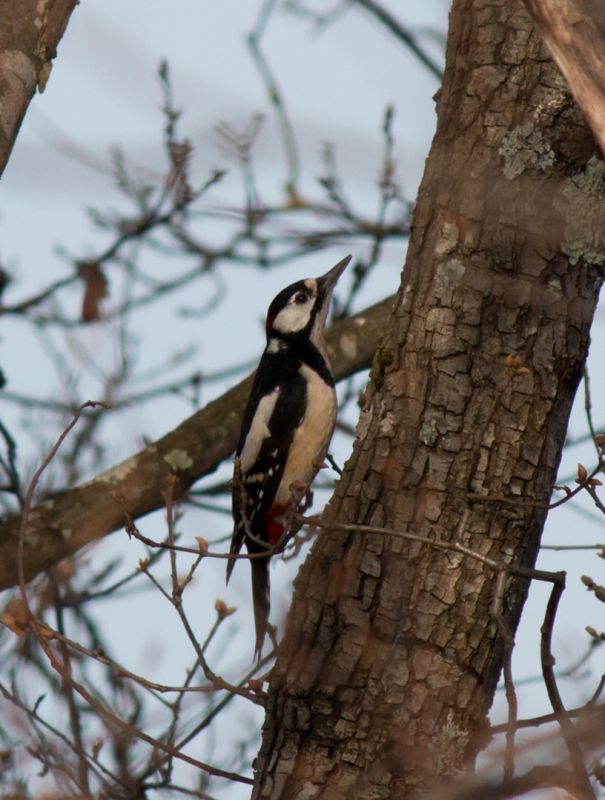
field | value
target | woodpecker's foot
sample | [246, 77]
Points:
[333, 464]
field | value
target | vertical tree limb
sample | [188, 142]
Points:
[574, 32]
[390, 659]
[30, 31]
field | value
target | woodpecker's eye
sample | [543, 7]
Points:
[300, 297]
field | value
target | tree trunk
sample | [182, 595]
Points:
[30, 31]
[390, 657]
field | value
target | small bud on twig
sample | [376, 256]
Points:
[599, 591]
[16, 616]
[223, 610]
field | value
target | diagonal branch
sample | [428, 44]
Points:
[62, 525]
[404, 35]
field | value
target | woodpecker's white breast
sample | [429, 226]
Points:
[312, 437]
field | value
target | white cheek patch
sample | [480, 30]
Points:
[259, 430]
[293, 318]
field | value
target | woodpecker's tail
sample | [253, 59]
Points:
[262, 600]
[236, 543]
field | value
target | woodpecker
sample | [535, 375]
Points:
[286, 429]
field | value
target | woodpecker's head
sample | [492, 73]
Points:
[302, 308]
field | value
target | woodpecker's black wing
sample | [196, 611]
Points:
[275, 409]
[266, 436]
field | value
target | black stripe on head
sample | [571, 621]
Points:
[281, 300]
[293, 310]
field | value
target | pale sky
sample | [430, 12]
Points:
[103, 91]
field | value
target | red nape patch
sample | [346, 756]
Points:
[274, 528]
[269, 323]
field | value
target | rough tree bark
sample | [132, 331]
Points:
[71, 519]
[390, 658]
[574, 32]
[30, 31]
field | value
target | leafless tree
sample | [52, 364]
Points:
[406, 608]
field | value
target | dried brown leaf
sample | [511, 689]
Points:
[95, 289]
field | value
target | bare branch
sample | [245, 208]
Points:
[584, 788]
[275, 96]
[69, 520]
[400, 32]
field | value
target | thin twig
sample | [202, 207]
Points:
[27, 502]
[275, 96]
[45, 635]
[508, 641]
[588, 408]
[403, 34]
[547, 660]
[101, 772]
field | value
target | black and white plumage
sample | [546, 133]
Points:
[286, 429]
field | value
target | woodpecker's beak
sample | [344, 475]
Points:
[328, 281]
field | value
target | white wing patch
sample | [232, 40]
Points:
[259, 430]
[274, 346]
[312, 437]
